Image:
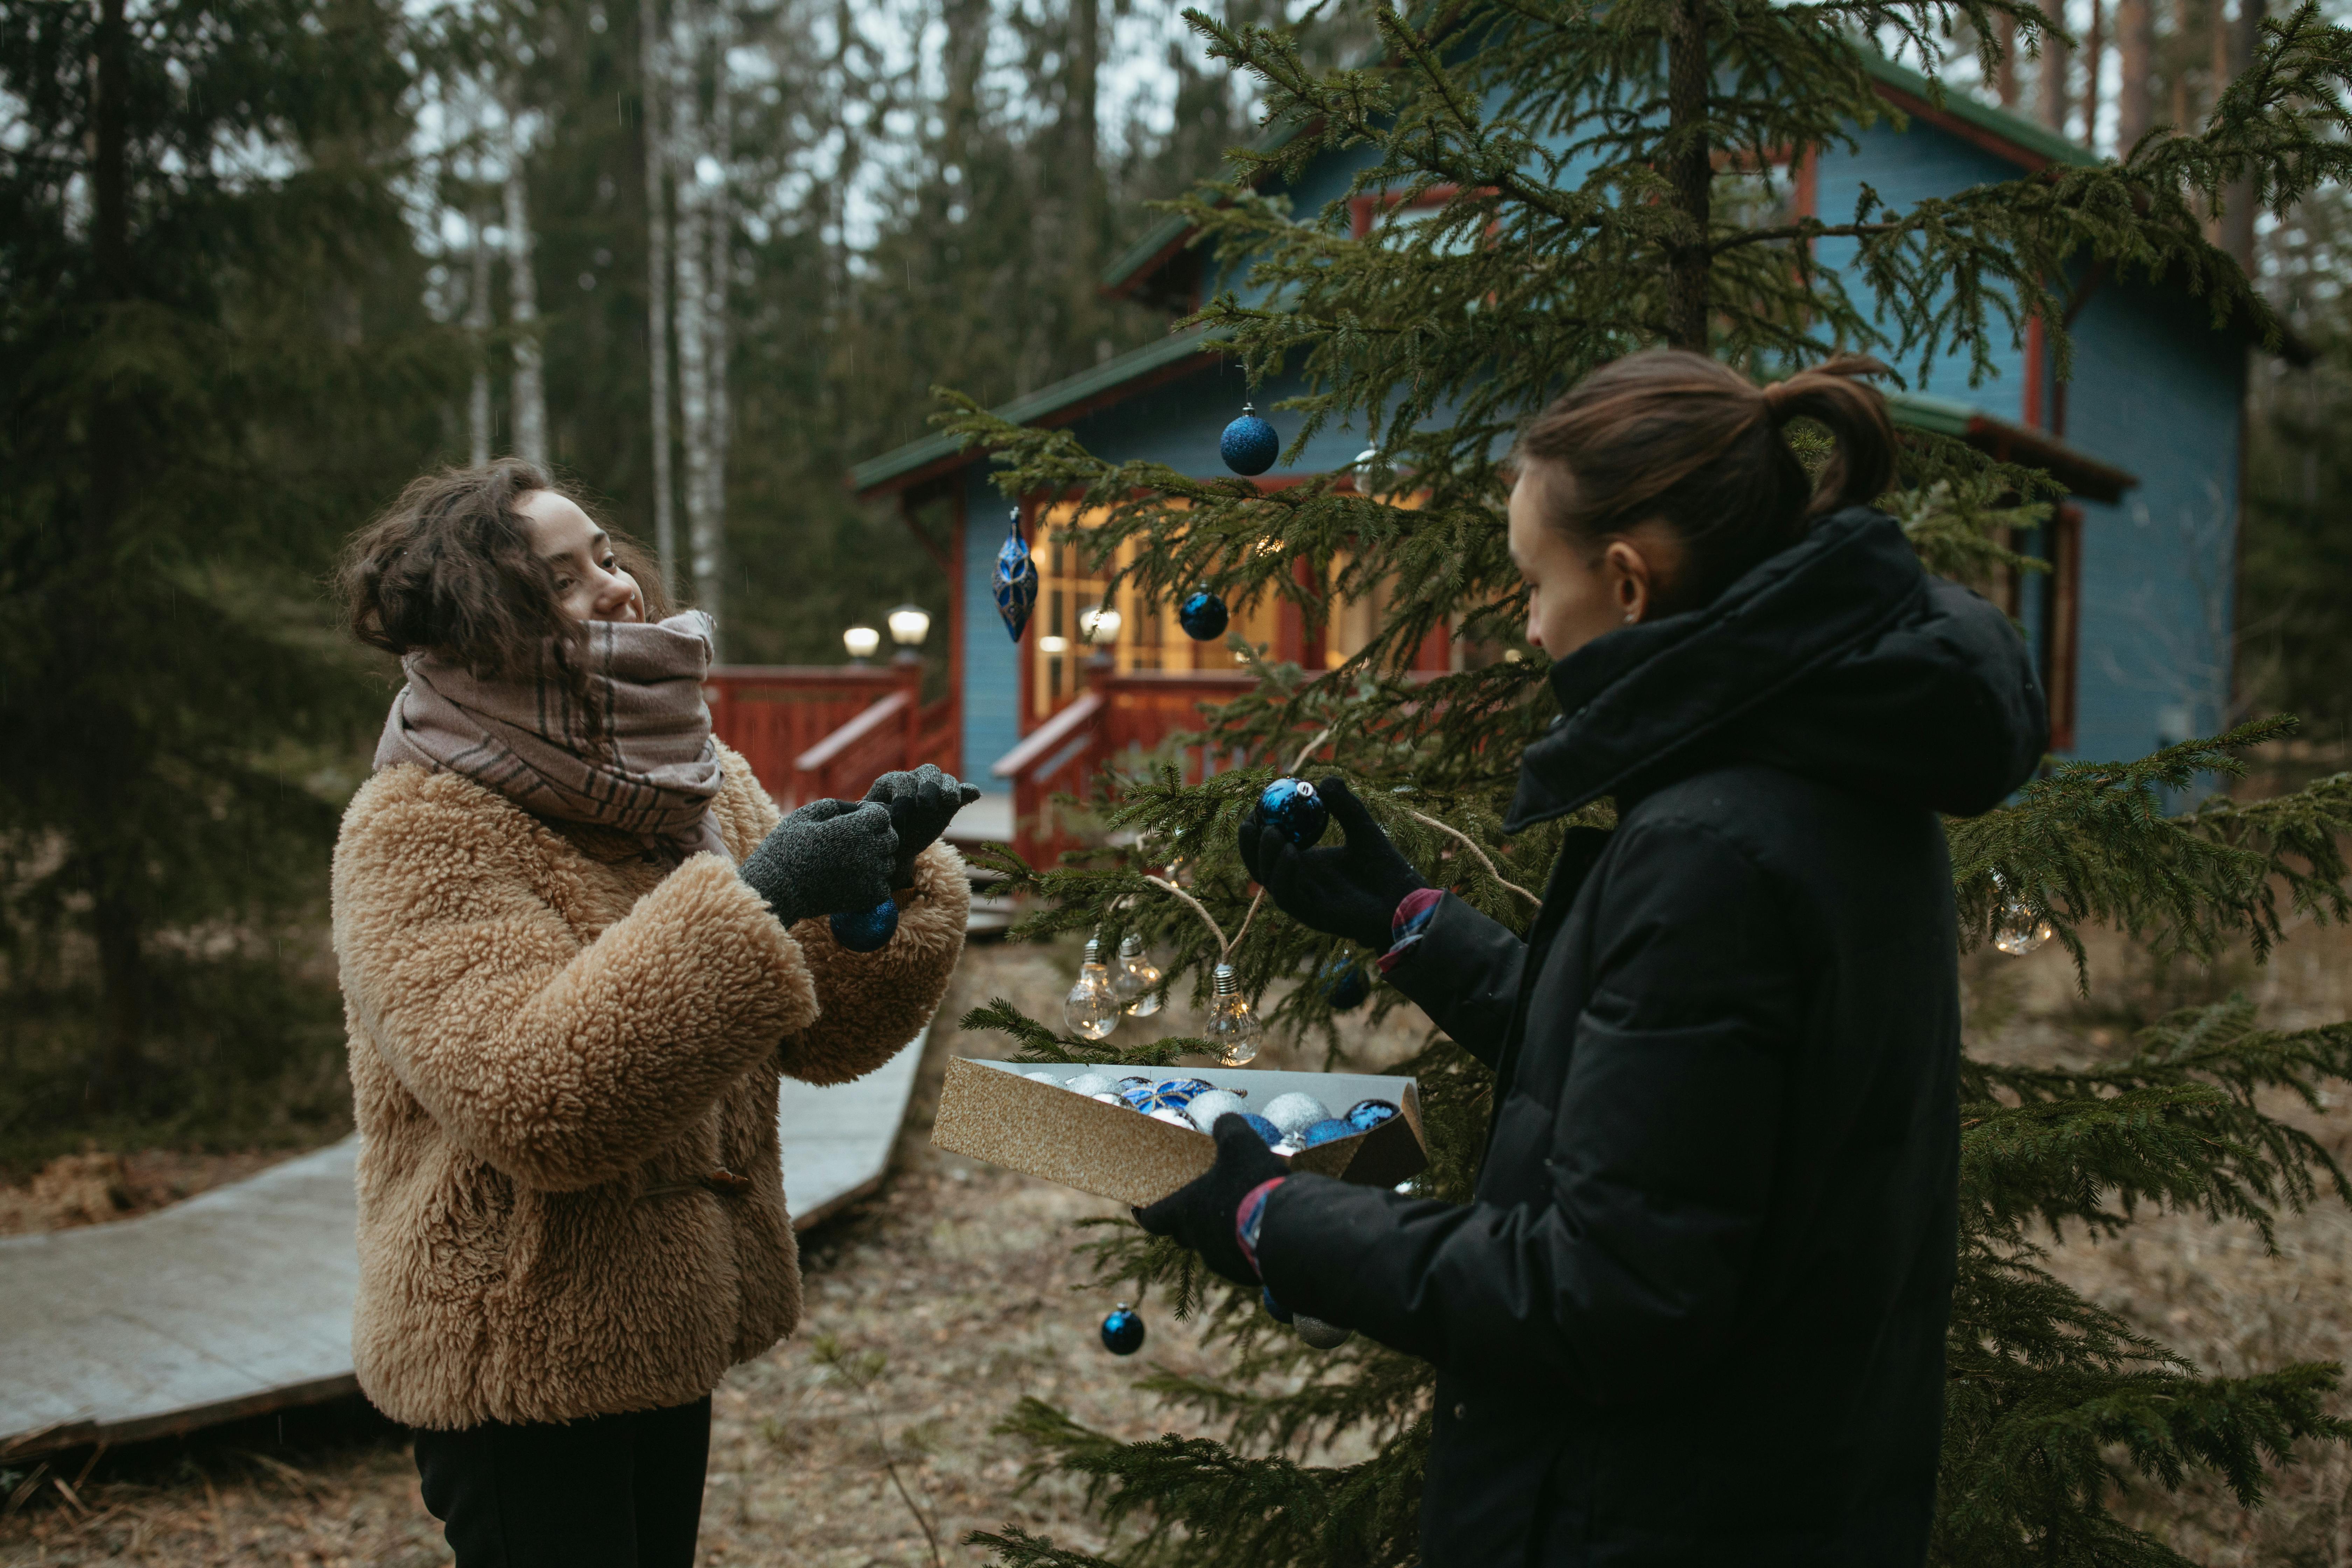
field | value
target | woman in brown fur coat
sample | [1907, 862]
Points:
[578, 946]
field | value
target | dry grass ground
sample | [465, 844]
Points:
[960, 1277]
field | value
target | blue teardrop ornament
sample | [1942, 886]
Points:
[1292, 808]
[1345, 985]
[1249, 445]
[870, 932]
[1122, 1330]
[1016, 580]
[1367, 1114]
[1203, 616]
[1261, 1127]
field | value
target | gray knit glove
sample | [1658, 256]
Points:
[829, 857]
[922, 803]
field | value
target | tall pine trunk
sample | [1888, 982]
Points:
[2136, 52]
[117, 920]
[2054, 100]
[1689, 171]
[653, 82]
[2237, 44]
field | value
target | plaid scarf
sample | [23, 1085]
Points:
[653, 771]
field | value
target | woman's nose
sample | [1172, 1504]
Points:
[615, 592]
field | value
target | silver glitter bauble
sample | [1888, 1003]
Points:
[1295, 1112]
[1204, 1109]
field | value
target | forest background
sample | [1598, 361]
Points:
[263, 260]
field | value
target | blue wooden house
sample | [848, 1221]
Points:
[2133, 625]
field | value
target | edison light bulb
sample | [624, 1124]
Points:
[2017, 930]
[1136, 982]
[1092, 1008]
[1232, 1024]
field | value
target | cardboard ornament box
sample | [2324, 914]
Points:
[992, 1112]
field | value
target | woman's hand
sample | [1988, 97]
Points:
[1351, 890]
[829, 857]
[1201, 1213]
[922, 803]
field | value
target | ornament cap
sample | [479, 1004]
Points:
[1227, 983]
[1130, 945]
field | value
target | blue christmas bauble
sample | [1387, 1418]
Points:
[1367, 1114]
[1325, 1132]
[1203, 616]
[1122, 1331]
[1261, 1127]
[1292, 808]
[1273, 1309]
[1167, 1097]
[870, 932]
[1016, 580]
[1249, 445]
[1345, 985]
[1189, 1086]
[1133, 1081]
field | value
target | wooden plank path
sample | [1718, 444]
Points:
[239, 1300]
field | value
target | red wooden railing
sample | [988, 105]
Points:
[1116, 721]
[813, 730]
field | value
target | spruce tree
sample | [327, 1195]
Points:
[1602, 176]
[215, 366]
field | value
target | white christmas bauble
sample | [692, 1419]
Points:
[1285, 1148]
[1107, 1098]
[1323, 1336]
[1295, 1112]
[1094, 1083]
[1043, 1077]
[1204, 1109]
[1174, 1118]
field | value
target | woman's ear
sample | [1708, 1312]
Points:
[1626, 577]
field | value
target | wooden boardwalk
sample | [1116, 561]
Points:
[239, 1300]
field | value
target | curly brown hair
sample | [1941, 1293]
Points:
[449, 568]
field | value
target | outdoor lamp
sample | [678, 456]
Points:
[1100, 625]
[909, 624]
[861, 642]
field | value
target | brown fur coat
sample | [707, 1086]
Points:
[553, 1045]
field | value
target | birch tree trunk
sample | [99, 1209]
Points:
[720, 218]
[522, 315]
[477, 323]
[693, 300]
[653, 82]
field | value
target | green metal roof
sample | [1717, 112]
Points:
[876, 472]
[1964, 107]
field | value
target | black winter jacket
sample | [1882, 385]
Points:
[1695, 1313]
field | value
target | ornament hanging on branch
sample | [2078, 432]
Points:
[1249, 445]
[1345, 985]
[1016, 580]
[1202, 616]
[1136, 981]
[1122, 1330]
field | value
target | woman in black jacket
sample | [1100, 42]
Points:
[1695, 1312]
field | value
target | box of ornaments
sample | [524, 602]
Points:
[1138, 1134]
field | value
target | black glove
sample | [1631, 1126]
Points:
[1201, 1213]
[1351, 890]
[829, 857]
[922, 803]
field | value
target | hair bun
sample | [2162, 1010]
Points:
[1783, 398]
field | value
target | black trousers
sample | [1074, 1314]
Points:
[612, 1491]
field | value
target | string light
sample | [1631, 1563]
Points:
[1136, 981]
[1091, 1009]
[1233, 1024]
